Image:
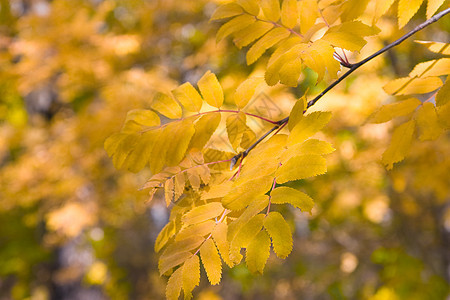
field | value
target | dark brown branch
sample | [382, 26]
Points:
[346, 74]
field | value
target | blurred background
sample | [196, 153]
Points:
[73, 227]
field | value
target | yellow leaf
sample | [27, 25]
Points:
[325, 50]
[211, 89]
[166, 106]
[244, 236]
[352, 9]
[389, 111]
[143, 117]
[157, 159]
[381, 7]
[177, 252]
[280, 233]
[283, 194]
[436, 67]
[202, 213]
[180, 134]
[243, 194]
[290, 72]
[427, 122]
[226, 11]
[201, 229]
[258, 252]
[246, 90]
[297, 112]
[433, 6]
[188, 96]
[443, 112]
[308, 13]
[271, 9]
[250, 33]
[217, 191]
[331, 13]
[408, 86]
[289, 13]
[258, 204]
[436, 47]
[315, 62]
[191, 276]
[406, 10]
[345, 40]
[204, 129]
[250, 6]
[211, 261]
[268, 40]
[308, 126]
[272, 74]
[236, 126]
[234, 25]
[119, 145]
[400, 144]
[174, 285]
[165, 235]
[311, 146]
[174, 188]
[219, 236]
[301, 167]
[139, 155]
[443, 96]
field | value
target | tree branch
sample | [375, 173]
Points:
[346, 74]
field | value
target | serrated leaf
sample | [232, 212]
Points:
[325, 51]
[201, 229]
[157, 159]
[311, 146]
[258, 252]
[436, 67]
[297, 112]
[301, 167]
[271, 9]
[236, 126]
[202, 213]
[280, 233]
[250, 6]
[433, 6]
[204, 129]
[389, 111]
[174, 188]
[257, 205]
[188, 96]
[443, 96]
[315, 62]
[308, 12]
[427, 122]
[211, 261]
[190, 276]
[226, 11]
[165, 235]
[436, 47]
[272, 75]
[381, 7]
[166, 106]
[290, 72]
[308, 126]
[174, 285]
[443, 112]
[406, 10]
[352, 9]
[289, 13]
[242, 194]
[408, 86]
[400, 144]
[139, 155]
[251, 33]
[283, 194]
[345, 40]
[219, 236]
[236, 24]
[217, 191]
[119, 146]
[244, 236]
[246, 90]
[270, 39]
[211, 89]
[176, 253]
[143, 117]
[180, 134]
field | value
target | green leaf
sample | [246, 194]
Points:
[283, 194]
[258, 252]
[301, 167]
[280, 233]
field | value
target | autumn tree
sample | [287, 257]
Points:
[223, 201]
